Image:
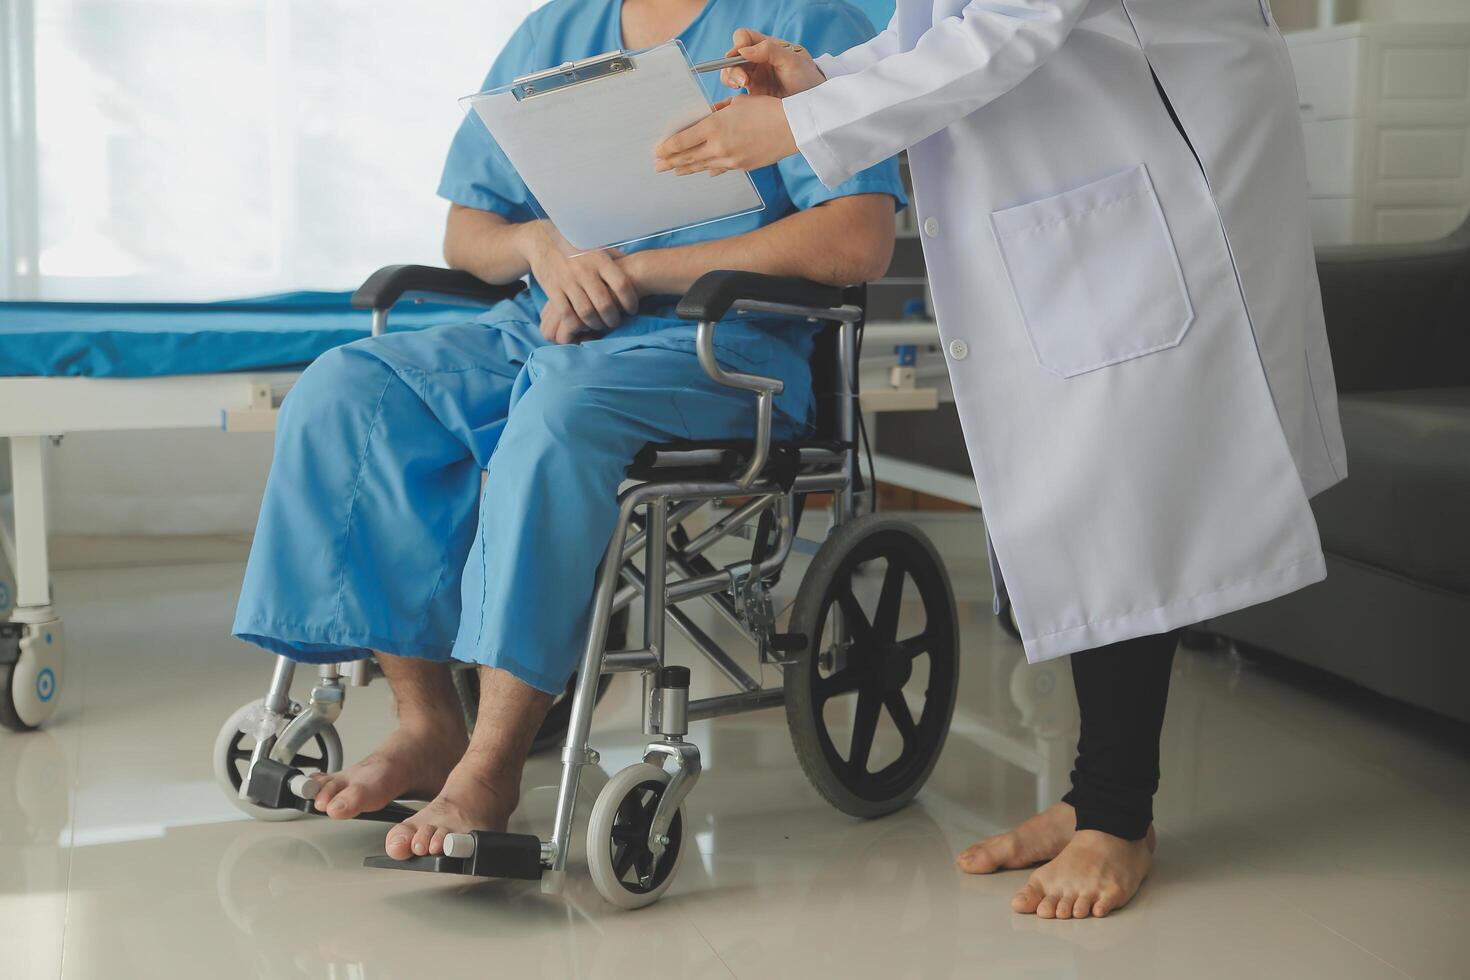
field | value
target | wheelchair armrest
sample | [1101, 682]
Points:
[715, 293]
[392, 282]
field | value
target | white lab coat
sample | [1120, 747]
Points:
[1131, 319]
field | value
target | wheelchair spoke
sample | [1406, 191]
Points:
[844, 681]
[630, 815]
[854, 618]
[864, 727]
[885, 618]
[915, 646]
[623, 859]
[903, 718]
[302, 760]
[643, 864]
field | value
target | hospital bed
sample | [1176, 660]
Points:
[112, 367]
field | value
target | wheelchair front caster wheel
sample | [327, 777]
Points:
[31, 658]
[622, 864]
[236, 742]
[869, 707]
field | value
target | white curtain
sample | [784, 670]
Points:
[212, 148]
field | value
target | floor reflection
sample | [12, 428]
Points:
[119, 858]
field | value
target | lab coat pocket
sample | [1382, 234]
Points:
[1095, 274]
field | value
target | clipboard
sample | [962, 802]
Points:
[582, 136]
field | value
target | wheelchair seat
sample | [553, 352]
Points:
[720, 460]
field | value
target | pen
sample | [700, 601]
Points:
[719, 64]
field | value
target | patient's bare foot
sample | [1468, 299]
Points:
[412, 763]
[483, 789]
[1093, 875]
[474, 798]
[1038, 839]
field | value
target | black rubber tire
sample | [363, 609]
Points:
[9, 717]
[878, 665]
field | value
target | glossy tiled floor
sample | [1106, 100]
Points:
[1300, 836]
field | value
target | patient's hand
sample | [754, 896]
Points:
[587, 294]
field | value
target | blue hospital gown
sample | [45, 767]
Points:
[374, 533]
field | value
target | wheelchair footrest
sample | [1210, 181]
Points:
[270, 787]
[496, 855]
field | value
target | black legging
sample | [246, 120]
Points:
[1121, 690]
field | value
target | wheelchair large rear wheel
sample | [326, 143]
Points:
[869, 715]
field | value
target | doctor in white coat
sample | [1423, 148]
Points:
[1112, 201]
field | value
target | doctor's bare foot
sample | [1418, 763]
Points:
[416, 759]
[483, 789]
[1038, 839]
[1096, 873]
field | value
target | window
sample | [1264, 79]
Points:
[211, 148]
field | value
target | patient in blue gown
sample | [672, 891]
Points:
[375, 539]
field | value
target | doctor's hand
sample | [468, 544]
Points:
[585, 295]
[780, 68]
[744, 133]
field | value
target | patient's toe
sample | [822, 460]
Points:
[398, 844]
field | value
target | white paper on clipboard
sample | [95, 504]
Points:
[586, 151]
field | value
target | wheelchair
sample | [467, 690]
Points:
[843, 638]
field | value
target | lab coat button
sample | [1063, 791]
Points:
[931, 227]
[958, 349]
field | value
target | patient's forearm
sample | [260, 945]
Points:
[485, 245]
[845, 241]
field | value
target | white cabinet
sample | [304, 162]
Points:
[1386, 116]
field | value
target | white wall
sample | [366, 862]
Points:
[181, 482]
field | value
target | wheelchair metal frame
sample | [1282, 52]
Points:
[824, 471]
[648, 513]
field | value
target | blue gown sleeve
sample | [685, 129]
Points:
[476, 172]
[831, 28]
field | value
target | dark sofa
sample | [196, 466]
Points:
[1394, 612]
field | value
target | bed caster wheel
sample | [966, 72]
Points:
[897, 672]
[31, 656]
[622, 865]
[236, 742]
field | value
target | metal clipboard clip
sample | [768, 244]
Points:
[571, 73]
[590, 69]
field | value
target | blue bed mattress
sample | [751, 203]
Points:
[140, 340]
